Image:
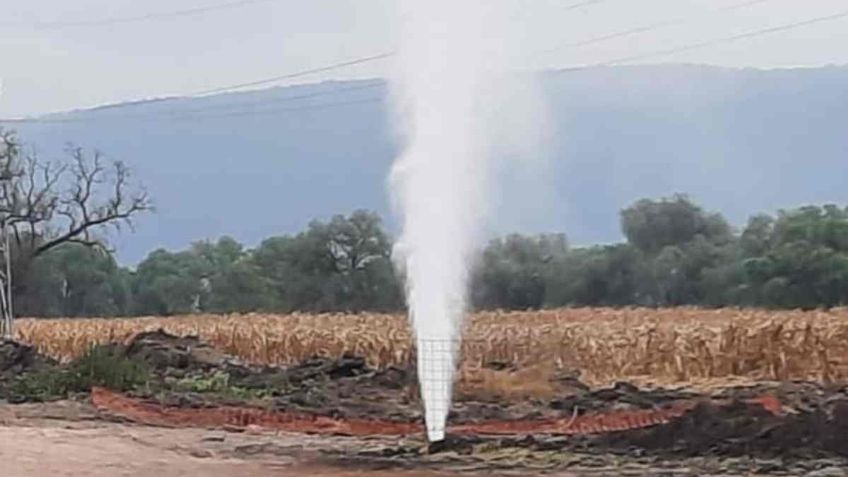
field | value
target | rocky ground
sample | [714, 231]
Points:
[799, 432]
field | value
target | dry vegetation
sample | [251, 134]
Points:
[673, 345]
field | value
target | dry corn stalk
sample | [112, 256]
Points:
[669, 345]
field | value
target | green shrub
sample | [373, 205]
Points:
[101, 366]
[106, 367]
[41, 385]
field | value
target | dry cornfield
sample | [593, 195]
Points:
[604, 345]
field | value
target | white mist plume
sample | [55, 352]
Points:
[459, 109]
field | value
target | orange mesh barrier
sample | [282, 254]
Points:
[240, 417]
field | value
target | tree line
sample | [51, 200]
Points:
[675, 253]
[53, 213]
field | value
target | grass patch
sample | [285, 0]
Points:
[105, 367]
[219, 384]
[101, 366]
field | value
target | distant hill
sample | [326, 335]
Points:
[738, 140]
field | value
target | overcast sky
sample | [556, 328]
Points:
[44, 68]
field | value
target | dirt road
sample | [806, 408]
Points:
[71, 439]
[118, 450]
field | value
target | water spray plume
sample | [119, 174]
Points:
[446, 91]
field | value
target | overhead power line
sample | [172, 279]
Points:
[185, 13]
[617, 61]
[142, 18]
[335, 66]
[727, 39]
[585, 3]
[646, 28]
[272, 79]
[242, 3]
[275, 79]
[389, 54]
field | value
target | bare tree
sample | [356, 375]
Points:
[46, 204]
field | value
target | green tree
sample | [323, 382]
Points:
[612, 275]
[757, 235]
[168, 283]
[75, 280]
[231, 282]
[514, 272]
[801, 260]
[651, 225]
[93, 284]
[685, 248]
[340, 265]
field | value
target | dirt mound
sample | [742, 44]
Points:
[17, 358]
[348, 388]
[743, 429]
[735, 423]
[161, 350]
[347, 366]
[620, 396]
[190, 374]
[575, 401]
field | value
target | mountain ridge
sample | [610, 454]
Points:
[740, 141]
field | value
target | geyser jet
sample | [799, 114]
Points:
[449, 91]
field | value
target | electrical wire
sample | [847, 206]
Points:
[585, 3]
[343, 64]
[646, 28]
[275, 79]
[727, 39]
[140, 18]
[617, 61]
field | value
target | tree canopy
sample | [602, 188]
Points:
[675, 254]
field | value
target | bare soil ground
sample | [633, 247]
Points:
[215, 417]
[67, 438]
[70, 439]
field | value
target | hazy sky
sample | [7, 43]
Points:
[45, 68]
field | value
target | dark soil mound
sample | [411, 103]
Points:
[619, 396]
[176, 356]
[323, 368]
[17, 362]
[729, 425]
[17, 358]
[348, 388]
[161, 350]
[342, 387]
[577, 400]
[741, 429]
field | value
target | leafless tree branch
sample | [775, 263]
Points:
[48, 204]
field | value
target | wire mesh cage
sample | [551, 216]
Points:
[436, 370]
[438, 361]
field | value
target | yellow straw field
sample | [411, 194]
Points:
[668, 345]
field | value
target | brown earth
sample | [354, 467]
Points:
[16, 358]
[34, 448]
[70, 439]
[786, 428]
